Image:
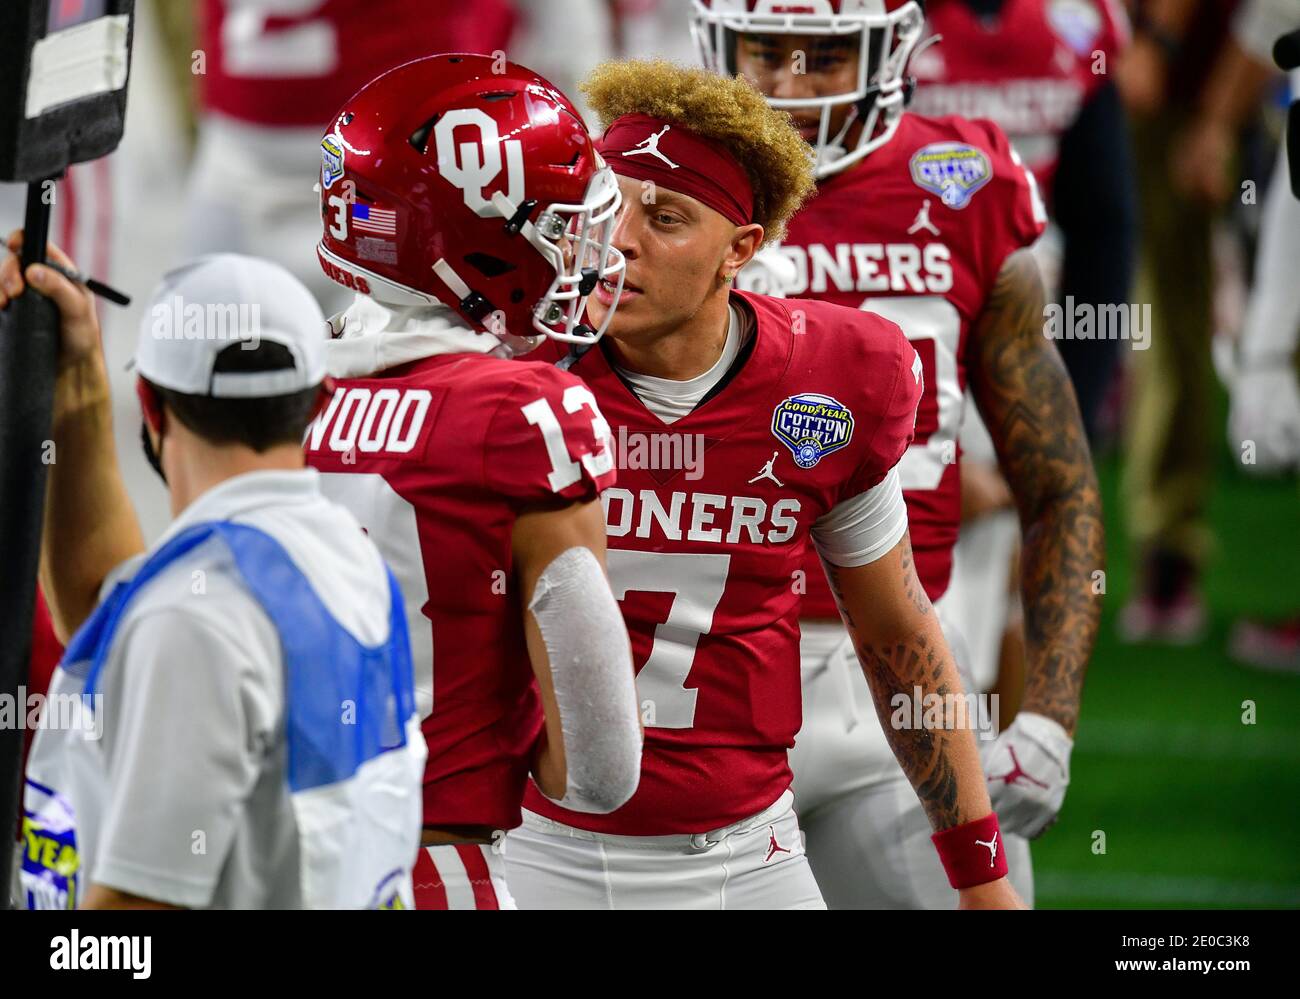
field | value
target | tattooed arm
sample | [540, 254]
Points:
[899, 643]
[1024, 394]
[900, 646]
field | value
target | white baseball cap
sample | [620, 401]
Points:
[221, 299]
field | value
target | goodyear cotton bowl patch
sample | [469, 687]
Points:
[51, 864]
[952, 170]
[812, 426]
[389, 893]
[331, 168]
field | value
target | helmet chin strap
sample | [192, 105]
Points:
[866, 103]
[833, 148]
[480, 308]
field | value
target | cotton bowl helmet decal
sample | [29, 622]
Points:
[331, 168]
[887, 32]
[443, 181]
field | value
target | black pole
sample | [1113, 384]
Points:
[29, 344]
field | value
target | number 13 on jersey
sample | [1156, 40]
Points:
[564, 470]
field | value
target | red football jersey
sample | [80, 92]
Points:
[436, 459]
[1029, 69]
[708, 528]
[294, 62]
[917, 232]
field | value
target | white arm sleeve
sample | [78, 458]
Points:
[860, 530]
[591, 669]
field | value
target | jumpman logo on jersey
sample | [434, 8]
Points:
[1016, 772]
[773, 847]
[766, 472]
[649, 146]
[923, 220]
[993, 848]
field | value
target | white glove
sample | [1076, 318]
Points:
[769, 272]
[1265, 408]
[1028, 770]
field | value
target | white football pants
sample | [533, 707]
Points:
[757, 863]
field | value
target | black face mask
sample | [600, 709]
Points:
[150, 455]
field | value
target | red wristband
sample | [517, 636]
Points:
[972, 852]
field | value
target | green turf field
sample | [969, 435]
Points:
[1197, 808]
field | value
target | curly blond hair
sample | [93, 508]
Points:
[726, 110]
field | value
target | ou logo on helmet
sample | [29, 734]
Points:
[472, 166]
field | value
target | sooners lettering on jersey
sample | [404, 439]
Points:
[1029, 68]
[917, 232]
[436, 459]
[293, 62]
[705, 560]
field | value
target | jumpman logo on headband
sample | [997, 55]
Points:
[649, 146]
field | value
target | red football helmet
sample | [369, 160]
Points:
[470, 182]
[887, 32]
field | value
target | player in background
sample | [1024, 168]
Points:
[1042, 71]
[1265, 392]
[745, 432]
[927, 222]
[466, 207]
[564, 41]
[273, 73]
[1056, 55]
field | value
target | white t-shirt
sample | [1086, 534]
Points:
[671, 400]
[194, 807]
[856, 531]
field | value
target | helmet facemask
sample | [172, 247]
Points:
[576, 240]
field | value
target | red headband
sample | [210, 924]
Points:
[676, 159]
